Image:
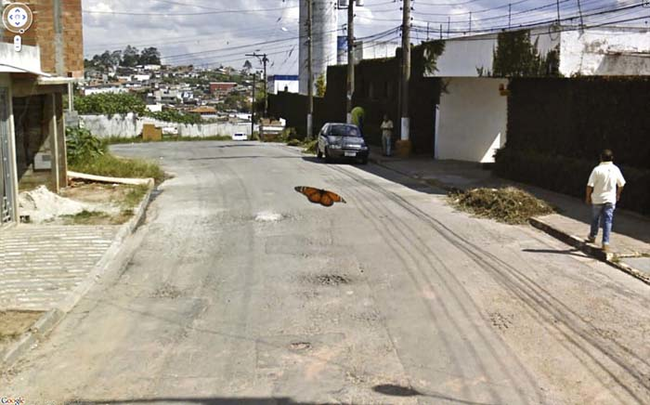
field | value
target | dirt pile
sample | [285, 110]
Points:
[510, 205]
[42, 205]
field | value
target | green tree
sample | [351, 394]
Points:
[130, 56]
[516, 56]
[321, 85]
[149, 56]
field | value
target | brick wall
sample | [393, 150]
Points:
[58, 31]
[60, 36]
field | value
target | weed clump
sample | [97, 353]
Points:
[509, 205]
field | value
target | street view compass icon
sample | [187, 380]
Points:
[17, 18]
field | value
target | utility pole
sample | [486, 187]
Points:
[509, 15]
[310, 72]
[405, 148]
[582, 21]
[448, 26]
[262, 57]
[557, 6]
[470, 22]
[350, 90]
[253, 107]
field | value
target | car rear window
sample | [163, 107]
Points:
[343, 130]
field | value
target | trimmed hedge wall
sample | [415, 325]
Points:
[580, 117]
[558, 127]
[569, 176]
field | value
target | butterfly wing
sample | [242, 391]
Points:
[313, 194]
[334, 197]
[326, 200]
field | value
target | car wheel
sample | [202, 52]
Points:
[319, 154]
[328, 158]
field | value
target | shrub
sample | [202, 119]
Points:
[569, 176]
[82, 145]
[290, 133]
[175, 116]
[310, 147]
[110, 104]
[111, 166]
[294, 142]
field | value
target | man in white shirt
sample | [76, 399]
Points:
[386, 134]
[604, 190]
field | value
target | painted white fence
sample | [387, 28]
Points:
[130, 126]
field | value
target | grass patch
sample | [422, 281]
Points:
[509, 205]
[111, 166]
[310, 147]
[121, 140]
[134, 196]
[85, 218]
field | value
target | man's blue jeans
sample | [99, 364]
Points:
[602, 215]
[385, 143]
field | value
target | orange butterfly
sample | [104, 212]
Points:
[318, 196]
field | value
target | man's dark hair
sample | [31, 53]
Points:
[607, 155]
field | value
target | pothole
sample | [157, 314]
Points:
[328, 279]
[167, 291]
[268, 216]
[300, 346]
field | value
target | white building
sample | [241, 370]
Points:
[109, 89]
[324, 29]
[472, 115]
[366, 50]
[279, 83]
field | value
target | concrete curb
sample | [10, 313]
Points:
[551, 230]
[46, 323]
[588, 249]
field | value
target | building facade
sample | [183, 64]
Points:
[33, 80]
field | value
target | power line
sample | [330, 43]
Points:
[174, 14]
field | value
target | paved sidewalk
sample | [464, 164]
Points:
[42, 264]
[630, 238]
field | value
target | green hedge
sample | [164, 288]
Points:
[569, 175]
[110, 104]
[579, 117]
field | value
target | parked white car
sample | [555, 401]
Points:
[239, 137]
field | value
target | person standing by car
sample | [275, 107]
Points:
[604, 190]
[386, 134]
[358, 116]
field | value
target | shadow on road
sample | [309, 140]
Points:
[571, 252]
[413, 184]
[400, 391]
[243, 157]
[189, 400]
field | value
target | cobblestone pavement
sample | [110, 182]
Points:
[41, 264]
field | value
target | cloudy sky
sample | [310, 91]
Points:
[214, 32]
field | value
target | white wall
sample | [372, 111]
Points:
[29, 58]
[473, 119]
[129, 126]
[605, 52]
[104, 90]
[278, 86]
[463, 56]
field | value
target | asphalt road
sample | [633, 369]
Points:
[237, 289]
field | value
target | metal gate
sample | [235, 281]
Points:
[6, 176]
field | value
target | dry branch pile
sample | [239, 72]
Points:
[510, 205]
